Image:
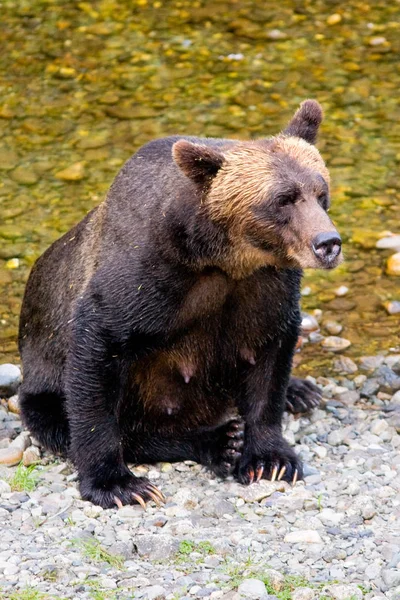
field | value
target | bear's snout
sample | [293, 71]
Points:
[327, 247]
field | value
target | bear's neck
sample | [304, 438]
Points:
[201, 242]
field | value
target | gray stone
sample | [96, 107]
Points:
[343, 592]
[344, 364]
[333, 553]
[335, 437]
[388, 380]
[218, 509]
[158, 547]
[395, 400]
[370, 363]
[370, 387]
[391, 577]
[349, 397]
[252, 588]
[303, 593]
[368, 510]
[10, 378]
[154, 592]
[333, 327]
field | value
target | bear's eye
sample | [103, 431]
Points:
[323, 200]
[288, 197]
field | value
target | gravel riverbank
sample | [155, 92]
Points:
[335, 535]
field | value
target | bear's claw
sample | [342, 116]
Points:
[140, 500]
[118, 502]
[275, 465]
[154, 493]
[126, 489]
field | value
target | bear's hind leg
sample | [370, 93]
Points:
[43, 413]
[219, 448]
[301, 396]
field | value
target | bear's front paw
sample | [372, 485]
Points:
[302, 396]
[279, 463]
[126, 489]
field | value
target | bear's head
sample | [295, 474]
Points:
[270, 195]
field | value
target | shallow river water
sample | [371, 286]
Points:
[84, 84]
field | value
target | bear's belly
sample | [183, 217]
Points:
[183, 390]
[194, 383]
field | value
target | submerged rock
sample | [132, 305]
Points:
[344, 364]
[393, 264]
[335, 344]
[392, 307]
[75, 172]
[308, 324]
[389, 243]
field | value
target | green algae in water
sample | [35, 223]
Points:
[88, 83]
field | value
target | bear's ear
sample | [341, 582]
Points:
[199, 163]
[306, 121]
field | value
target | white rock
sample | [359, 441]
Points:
[335, 344]
[389, 243]
[333, 327]
[10, 377]
[341, 291]
[330, 517]
[378, 426]
[4, 487]
[11, 569]
[303, 593]
[320, 451]
[194, 589]
[395, 398]
[259, 491]
[185, 497]
[344, 592]
[154, 592]
[252, 588]
[109, 584]
[303, 536]
[308, 324]
[368, 510]
[92, 511]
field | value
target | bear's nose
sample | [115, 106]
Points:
[327, 246]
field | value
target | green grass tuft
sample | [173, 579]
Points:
[93, 550]
[186, 547]
[25, 479]
[30, 594]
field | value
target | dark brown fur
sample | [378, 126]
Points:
[165, 322]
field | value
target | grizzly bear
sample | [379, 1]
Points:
[162, 327]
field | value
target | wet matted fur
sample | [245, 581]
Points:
[162, 327]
